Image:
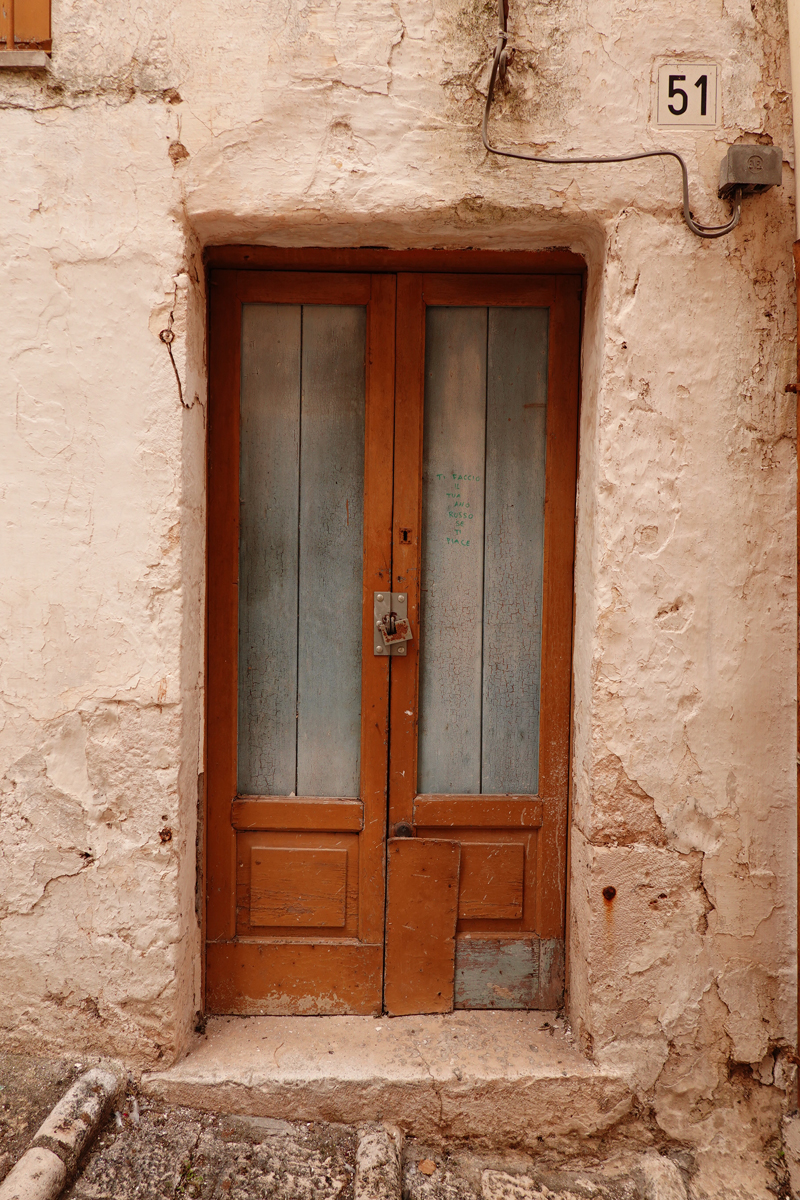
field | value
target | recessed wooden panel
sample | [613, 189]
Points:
[303, 840]
[288, 812]
[297, 887]
[421, 914]
[491, 882]
[483, 812]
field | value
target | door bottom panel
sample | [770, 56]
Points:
[281, 979]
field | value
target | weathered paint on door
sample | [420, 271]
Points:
[482, 549]
[417, 433]
[301, 533]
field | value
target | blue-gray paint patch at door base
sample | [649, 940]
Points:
[500, 973]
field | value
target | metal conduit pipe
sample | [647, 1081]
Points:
[793, 7]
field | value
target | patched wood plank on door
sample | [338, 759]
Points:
[491, 880]
[32, 23]
[297, 887]
[551, 973]
[421, 914]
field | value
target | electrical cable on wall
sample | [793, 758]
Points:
[499, 68]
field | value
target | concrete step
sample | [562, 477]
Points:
[503, 1078]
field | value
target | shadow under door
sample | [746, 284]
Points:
[391, 524]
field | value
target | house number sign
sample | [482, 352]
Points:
[687, 94]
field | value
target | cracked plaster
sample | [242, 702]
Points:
[324, 123]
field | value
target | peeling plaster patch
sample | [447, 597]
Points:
[690, 829]
[42, 425]
[648, 964]
[675, 617]
[42, 837]
[744, 897]
[744, 988]
[65, 756]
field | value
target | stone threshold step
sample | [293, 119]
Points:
[504, 1078]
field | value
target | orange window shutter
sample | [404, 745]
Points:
[31, 23]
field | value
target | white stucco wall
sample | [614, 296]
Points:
[159, 130]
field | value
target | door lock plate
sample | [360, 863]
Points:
[391, 628]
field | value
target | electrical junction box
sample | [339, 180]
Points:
[751, 168]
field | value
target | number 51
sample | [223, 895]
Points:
[701, 83]
[687, 94]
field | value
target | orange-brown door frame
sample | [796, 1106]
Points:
[222, 594]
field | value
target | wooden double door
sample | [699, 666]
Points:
[386, 817]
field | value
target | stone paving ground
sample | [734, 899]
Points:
[169, 1152]
[148, 1150]
[154, 1150]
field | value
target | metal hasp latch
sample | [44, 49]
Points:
[392, 629]
[752, 168]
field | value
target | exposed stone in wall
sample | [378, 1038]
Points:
[620, 812]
